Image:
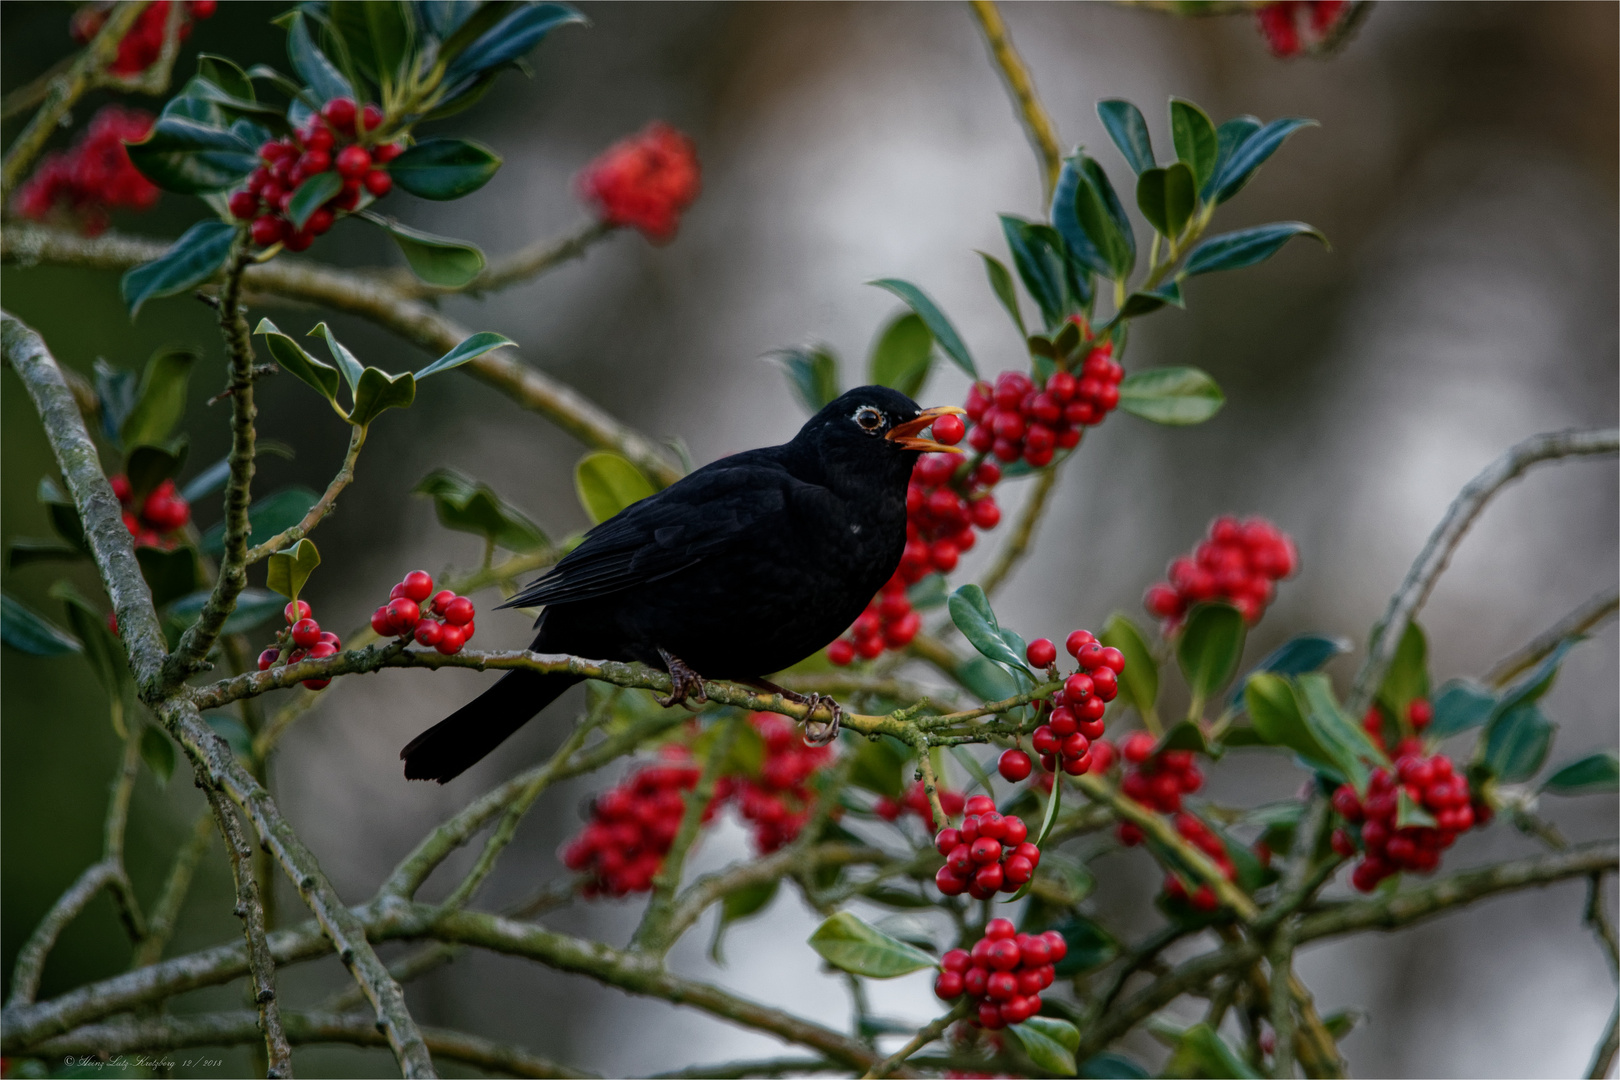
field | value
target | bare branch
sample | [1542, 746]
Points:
[31, 957]
[323, 506]
[1018, 541]
[1594, 613]
[1015, 73]
[167, 911]
[925, 1035]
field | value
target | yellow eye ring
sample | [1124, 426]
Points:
[869, 418]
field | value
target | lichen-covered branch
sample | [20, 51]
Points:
[25, 975]
[1425, 571]
[1015, 73]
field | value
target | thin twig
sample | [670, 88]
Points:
[1590, 615]
[1017, 544]
[1425, 571]
[1015, 73]
[31, 957]
[925, 1035]
[166, 912]
[1603, 1054]
[323, 506]
[524, 264]
[1597, 917]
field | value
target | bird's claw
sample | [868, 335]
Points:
[821, 732]
[684, 683]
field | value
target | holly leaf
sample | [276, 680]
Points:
[970, 611]
[288, 570]
[1200, 1051]
[1139, 682]
[27, 631]
[1177, 396]
[1459, 705]
[268, 516]
[1193, 132]
[1049, 1042]
[1250, 154]
[935, 319]
[508, 40]
[1296, 656]
[379, 391]
[1128, 128]
[1245, 247]
[469, 505]
[1090, 946]
[607, 483]
[739, 905]
[311, 195]
[313, 65]
[1408, 676]
[1037, 253]
[169, 574]
[1210, 647]
[298, 363]
[253, 607]
[189, 157]
[1516, 742]
[160, 402]
[196, 257]
[148, 466]
[1001, 284]
[437, 260]
[1278, 720]
[849, 944]
[444, 169]
[158, 753]
[1593, 774]
[812, 375]
[903, 355]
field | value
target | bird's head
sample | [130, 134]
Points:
[873, 429]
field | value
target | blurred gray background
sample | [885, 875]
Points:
[1465, 171]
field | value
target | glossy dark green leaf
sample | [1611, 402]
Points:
[379, 391]
[937, 323]
[192, 158]
[986, 680]
[1127, 127]
[1534, 684]
[160, 401]
[1194, 135]
[1410, 814]
[226, 74]
[1111, 1066]
[158, 753]
[1001, 284]
[903, 355]
[346, 362]
[1141, 303]
[471, 348]
[25, 630]
[380, 35]
[437, 260]
[286, 571]
[1049, 1042]
[468, 505]
[1408, 675]
[1114, 244]
[509, 40]
[1594, 774]
[147, 466]
[812, 374]
[1343, 738]
[1278, 720]
[115, 395]
[268, 516]
[313, 65]
[1098, 180]
[1201, 1052]
[444, 168]
[170, 574]
[253, 607]
[1084, 253]
[1210, 647]
[739, 905]
[1171, 395]
[1459, 705]
[1228, 137]
[1296, 656]
[311, 195]
[607, 483]
[971, 613]
[1249, 155]
[441, 18]
[196, 257]
[1139, 682]
[849, 944]
[298, 363]
[1167, 197]
[1516, 742]
[25, 551]
[1235, 250]
[1038, 258]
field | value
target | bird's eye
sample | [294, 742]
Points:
[869, 418]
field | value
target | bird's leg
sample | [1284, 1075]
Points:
[684, 683]
[816, 732]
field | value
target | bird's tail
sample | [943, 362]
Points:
[462, 739]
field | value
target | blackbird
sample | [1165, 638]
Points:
[743, 568]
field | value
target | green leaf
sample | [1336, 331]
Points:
[812, 375]
[1245, 247]
[158, 753]
[849, 944]
[346, 362]
[1084, 254]
[1177, 396]
[379, 391]
[26, 550]
[1296, 656]
[268, 516]
[311, 195]
[1090, 946]
[1048, 819]
[379, 35]
[1278, 720]
[1459, 705]
[444, 168]
[1184, 735]
[25, 630]
[509, 40]
[236, 736]
[902, 355]
[971, 612]
[879, 766]
[115, 394]
[208, 481]
[170, 574]
[253, 606]
[1344, 739]
[476, 345]
[1201, 1052]
[739, 905]
[1127, 127]
[1593, 774]
[287, 570]
[196, 257]
[192, 158]
[161, 399]
[313, 65]
[1228, 137]
[1001, 283]
[937, 323]
[468, 505]
[607, 483]
[1139, 682]
[1249, 155]
[298, 363]
[1516, 742]
[1167, 197]
[1408, 675]
[437, 260]
[985, 680]
[63, 514]
[1117, 249]
[225, 73]
[974, 769]
[1037, 253]
[1111, 1066]
[1049, 1042]
[1409, 813]
[104, 652]
[1209, 650]
[148, 466]
[1532, 686]
[1194, 135]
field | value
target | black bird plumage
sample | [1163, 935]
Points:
[743, 568]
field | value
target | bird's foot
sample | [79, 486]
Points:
[817, 732]
[684, 683]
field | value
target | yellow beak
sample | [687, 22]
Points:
[906, 434]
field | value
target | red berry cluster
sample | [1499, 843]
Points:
[94, 176]
[946, 500]
[1238, 563]
[988, 854]
[162, 512]
[1418, 715]
[141, 47]
[1202, 837]
[1076, 720]
[1157, 781]
[1004, 973]
[409, 613]
[644, 181]
[777, 804]
[1290, 26]
[887, 623]
[633, 825]
[916, 800]
[332, 140]
[1015, 418]
[1431, 782]
[302, 639]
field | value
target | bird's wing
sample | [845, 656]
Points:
[694, 519]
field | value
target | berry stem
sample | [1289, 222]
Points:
[1017, 545]
[925, 1035]
[323, 506]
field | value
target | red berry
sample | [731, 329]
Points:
[353, 161]
[1420, 713]
[1078, 640]
[388, 152]
[1078, 687]
[371, 116]
[339, 112]
[947, 841]
[403, 614]
[1138, 747]
[979, 804]
[320, 222]
[295, 610]
[418, 585]
[1105, 683]
[428, 632]
[243, 205]
[458, 611]
[996, 929]
[985, 850]
[949, 430]
[989, 878]
[380, 624]
[306, 633]
[1003, 953]
[949, 882]
[1013, 831]
[266, 230]
[1001, 986]
[841, 652]
[379, 183]
[1017, 870]
[956, 960]
[1040, 653]
[313, 162]
[947, 985]
[1015, 766]
[450, 640]
[268, 657]
[300, 240]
